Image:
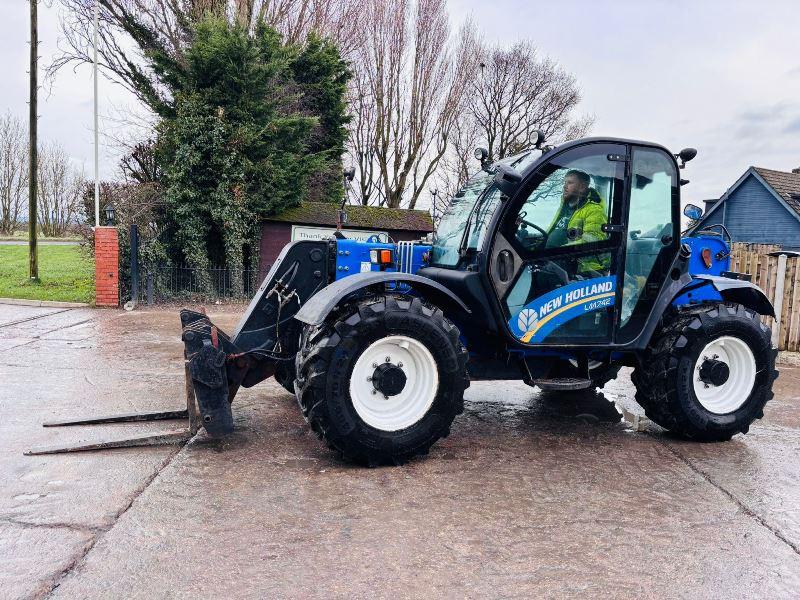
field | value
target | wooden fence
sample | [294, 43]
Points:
[755, 260]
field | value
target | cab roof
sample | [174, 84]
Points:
[583, 141]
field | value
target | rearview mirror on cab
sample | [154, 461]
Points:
[693, 212]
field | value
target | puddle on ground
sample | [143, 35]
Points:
[592, 407]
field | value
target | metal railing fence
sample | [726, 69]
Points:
[182, 284]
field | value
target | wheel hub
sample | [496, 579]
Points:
[714, 372]
[724, 375]
[394, 383]
[389, 379]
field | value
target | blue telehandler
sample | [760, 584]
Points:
[556, 267]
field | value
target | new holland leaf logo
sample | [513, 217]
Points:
[526, 321]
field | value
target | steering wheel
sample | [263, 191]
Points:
[521, 220]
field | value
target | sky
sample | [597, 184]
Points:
[65, 105]
[720, 76]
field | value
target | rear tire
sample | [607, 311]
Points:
[342, 368]
[668, 381]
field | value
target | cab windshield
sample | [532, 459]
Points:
[462, 215]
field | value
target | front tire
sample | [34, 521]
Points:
[709, 373]
[285, 373]
[383, 381]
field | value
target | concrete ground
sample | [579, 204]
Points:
[531, 495]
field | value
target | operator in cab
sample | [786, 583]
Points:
[582, 215]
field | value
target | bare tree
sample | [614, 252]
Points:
[409, 83]
[513, 94]
[338, 20]
[361, 143]
[420, 100]
[165, 25]
[60, 189]
[140, 164]
[458, 163]
[13, 171]
[518, 93]
[421, 103]
[129, 29]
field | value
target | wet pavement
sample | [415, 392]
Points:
[532, 495]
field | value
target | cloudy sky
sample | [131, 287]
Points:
[722, 76]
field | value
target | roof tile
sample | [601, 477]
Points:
[367, 217]
[787, 185]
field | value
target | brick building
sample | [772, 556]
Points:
[317, 220]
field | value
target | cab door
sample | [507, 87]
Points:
[652, 237]
[557, 254]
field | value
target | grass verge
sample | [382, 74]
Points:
[66, 274]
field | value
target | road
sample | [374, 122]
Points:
[531, 495]
[39, 243]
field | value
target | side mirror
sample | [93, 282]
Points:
[507, 179]
[693, 212]
[539, 139]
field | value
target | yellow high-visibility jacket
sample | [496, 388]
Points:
[589, 218]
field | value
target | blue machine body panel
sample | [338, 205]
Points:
[353, 256]
[700, 291]
[720, 255]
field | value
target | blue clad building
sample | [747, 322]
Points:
[762, 207]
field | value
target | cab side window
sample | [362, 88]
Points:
[651, 235]
[571, 205]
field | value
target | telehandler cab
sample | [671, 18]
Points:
[556, 267]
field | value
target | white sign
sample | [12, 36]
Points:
[308, 232]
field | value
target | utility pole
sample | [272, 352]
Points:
[33, 181]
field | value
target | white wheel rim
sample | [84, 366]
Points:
[406, 408]
[731, 395]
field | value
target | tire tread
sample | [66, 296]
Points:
[313, 382]
[656, 377]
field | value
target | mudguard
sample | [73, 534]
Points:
[314, 311]
[741, 292]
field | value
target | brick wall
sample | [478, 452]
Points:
[274, 236]
[106, 266]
